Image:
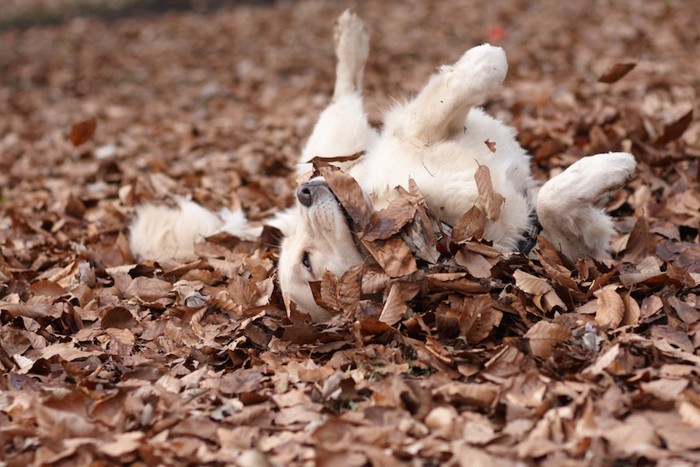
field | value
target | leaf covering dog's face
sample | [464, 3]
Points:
[318, 240]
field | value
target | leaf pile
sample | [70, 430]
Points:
[440, 350]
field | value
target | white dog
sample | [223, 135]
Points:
[438, 139]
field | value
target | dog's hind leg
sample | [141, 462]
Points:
[439, 110]
[342, 128]
[351, 50]
[566, 204]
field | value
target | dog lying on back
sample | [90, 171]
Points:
[438, 139]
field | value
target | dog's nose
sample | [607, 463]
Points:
[305, 193]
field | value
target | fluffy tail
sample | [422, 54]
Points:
[161, 232]
[566, 204]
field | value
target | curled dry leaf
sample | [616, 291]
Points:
[490, 200]
[616, 72]
[83, 131]
[348, 192]
[389, 221]
[675, 130]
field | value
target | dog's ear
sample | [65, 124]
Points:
[285, 221]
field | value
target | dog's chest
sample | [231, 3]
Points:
[446, 179]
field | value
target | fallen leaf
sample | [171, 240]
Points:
[616, 72]
[489, 199]
[83, 131]
[610, 307]
[675, 130]
[543, 336]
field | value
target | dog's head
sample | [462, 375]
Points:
[317, 238]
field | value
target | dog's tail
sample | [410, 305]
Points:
[567, 204]
[162, 232]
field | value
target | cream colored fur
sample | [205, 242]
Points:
[160, 232]
[437, 139]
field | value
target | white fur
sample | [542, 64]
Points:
[437, 139]
[160, 232]
[566, 204]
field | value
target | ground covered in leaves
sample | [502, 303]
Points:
[470, 358]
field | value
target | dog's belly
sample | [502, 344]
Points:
[444, 173]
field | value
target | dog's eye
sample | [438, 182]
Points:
[306, 261]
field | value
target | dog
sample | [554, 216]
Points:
[438, 139]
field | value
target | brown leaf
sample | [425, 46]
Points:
[348, 192]
[420, 238]
[610, 307]
[82, 132]
[645, 269]
[490, 200]
[687, 313]
[675, 130]
[393, 255]
[390, 220]
[474, 394]
[471, 317]
[395, 305]
[329, 292]
[32, 310]
[470, 226]
[616, 72]
[632, 311]
[118, 317]
[479, 318]
[348, 158]
[148, 289]
[491, 145]
[543, 336]
[476, 264]
[457, 281]
[123, 443]
[531, 284]
[47, 288]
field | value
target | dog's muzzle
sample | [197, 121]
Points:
[308, 192]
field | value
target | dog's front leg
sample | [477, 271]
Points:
[439, 111]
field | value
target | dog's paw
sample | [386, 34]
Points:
[351, 40]
[482, 68]
[603, 172]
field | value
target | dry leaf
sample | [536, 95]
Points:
[470, 226]
[616, 72]
[393, 255]
[543, 336]
[348, 192]
[83, 131]
[675, 130]
[610, 307]
[489, 199]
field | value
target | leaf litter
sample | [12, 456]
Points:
[440, 350]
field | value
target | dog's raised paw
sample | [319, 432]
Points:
[351, 39]
[482, 67]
